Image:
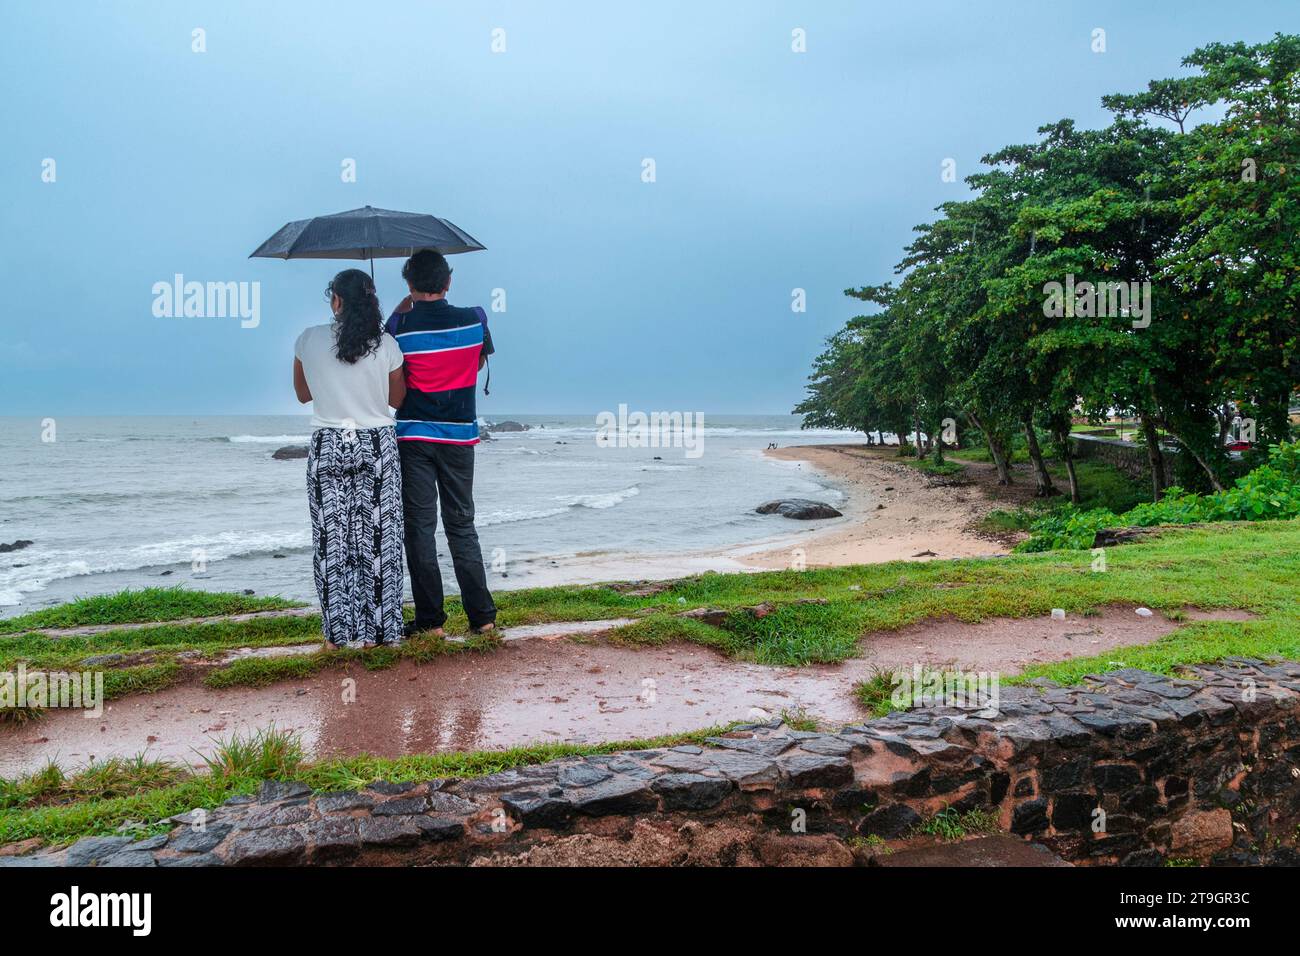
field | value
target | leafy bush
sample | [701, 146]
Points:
[1269, 493]
[1067, 528]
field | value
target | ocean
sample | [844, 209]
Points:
[121, 502]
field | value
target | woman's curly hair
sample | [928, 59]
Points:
[359, 319]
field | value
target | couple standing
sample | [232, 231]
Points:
[375, 482]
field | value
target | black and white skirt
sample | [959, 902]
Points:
[354, 484]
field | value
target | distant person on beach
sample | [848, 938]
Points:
[350, 369]
[437, 429]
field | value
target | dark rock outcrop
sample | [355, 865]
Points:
[16, 546]
[290, 452]
[801, 509]
[509, 427]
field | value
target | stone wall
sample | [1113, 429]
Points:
[1127, 456]
[1205, 768]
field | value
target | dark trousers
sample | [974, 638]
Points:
[432, 471]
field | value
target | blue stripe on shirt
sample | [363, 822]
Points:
[433, 339]
[415, 430]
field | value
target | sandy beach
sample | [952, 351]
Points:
[895, 513]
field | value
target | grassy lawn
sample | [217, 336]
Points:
[136, 796]
[928, 466]
[1101, 485]
[819, 614]
[144, 606]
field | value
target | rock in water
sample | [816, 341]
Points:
[16, 546]
[509, 427]
[290, 452]
[802, 509]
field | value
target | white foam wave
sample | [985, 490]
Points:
[509, 517]
[269, 439]
[601, 501]
[39, 570]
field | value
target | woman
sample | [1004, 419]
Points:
[350, 369]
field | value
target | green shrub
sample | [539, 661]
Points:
[1269, 493]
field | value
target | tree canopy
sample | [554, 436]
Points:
[1147, 268]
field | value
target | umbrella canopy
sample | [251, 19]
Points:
[366, 233]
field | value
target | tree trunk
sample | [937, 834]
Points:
[1155, 459]
[1042, 476]
[1067, 453]
[1215, 483]
[916, 434]
[996, 449]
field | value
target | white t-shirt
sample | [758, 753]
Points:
[343, 395]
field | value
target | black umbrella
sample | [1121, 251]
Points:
[366, 233]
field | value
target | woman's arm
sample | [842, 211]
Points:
[300, 382]
[396, 387]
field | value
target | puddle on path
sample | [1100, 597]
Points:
[544, 689]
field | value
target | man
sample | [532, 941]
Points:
[437, 429]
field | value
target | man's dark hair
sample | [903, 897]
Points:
[427, 271]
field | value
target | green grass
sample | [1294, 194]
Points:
[261, 671]
[1002, 520]
[1102, 485]
[928, 466]
[39, 650]
[948, 824]
[1251, 567]
[876, 693]
[138, 795]
[981, 453]
[143, 606]
[800, 720]
[820, 614]
[161, 644]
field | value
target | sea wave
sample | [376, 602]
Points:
[550, 432]
[269, 439]
[64, 498]
[511, 516]
[599, 501]
[38, 570]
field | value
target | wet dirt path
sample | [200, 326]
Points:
[547, 689]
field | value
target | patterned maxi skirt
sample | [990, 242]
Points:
[354, 483]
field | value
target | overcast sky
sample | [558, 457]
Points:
[774, 171]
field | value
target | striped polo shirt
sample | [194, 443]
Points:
[441, 344]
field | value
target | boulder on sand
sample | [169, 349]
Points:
[290, 452]
[802, 509]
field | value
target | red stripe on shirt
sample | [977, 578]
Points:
[442, 371]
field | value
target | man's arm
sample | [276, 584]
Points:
[395, 319]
